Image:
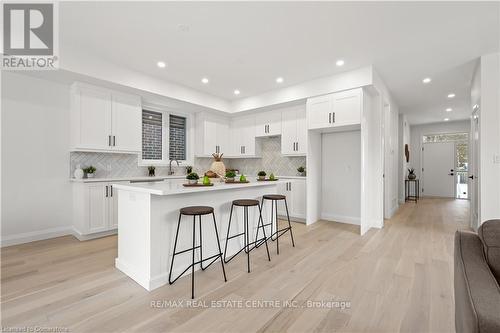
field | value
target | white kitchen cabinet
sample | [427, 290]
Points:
[294, 131]
[335, 110]
[295, 191]
[268, 124]
[243, 137]
[105, 120]
[126, 115]
[212, 135]
[94, 209]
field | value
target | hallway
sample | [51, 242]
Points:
[399, 278]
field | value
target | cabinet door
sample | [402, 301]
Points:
[346, 107]
[98, 210]
[289, 132]
[298, 198]
[209, 137]
[113, 208]
[268, 124]
[94, 119]
[301, 123]
[319, 112]
[248, 135]
[127, 123]
[222, 137]
[283, 190]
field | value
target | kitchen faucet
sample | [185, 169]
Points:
[170, 172]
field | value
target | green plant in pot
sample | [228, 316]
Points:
[230, 176]
[262, 175]
[90, 171]
[411, 173]
[151, 170]
[192, 178]
[272, 176]
[301, 170]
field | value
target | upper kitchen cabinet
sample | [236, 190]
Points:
[104, 120]
[243, 137]
[335, 110]
[294, 131]
[212, 135]
[268, 124]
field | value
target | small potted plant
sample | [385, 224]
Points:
[230, 176]
[192, 178]
[90, 171]
[151, 170]
[411, 173]
[301, 170]
[262, 175]
[189, 169]
[272, 176]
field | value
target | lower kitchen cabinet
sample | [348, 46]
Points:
[295, 191]
[94, 209]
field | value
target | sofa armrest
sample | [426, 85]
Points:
[477, 294]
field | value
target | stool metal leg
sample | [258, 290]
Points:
[227, 235]
[289, 224]
[261, 222]
[192, 266]
[218, 246]
[277, 230]
[175, 247]
[247, 232]
[201, 248]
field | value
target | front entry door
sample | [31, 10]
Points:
[439, 166]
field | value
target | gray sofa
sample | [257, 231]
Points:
[477, 278]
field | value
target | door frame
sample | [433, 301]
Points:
[474, 169]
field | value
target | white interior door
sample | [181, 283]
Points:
[439, 166]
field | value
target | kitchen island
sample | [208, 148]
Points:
[147, 221]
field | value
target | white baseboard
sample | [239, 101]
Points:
[341, 218]
[82, 237]
[33, 236]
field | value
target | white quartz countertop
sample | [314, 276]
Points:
[173, 187]
[120, 179]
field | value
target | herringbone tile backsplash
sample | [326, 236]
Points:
[110, 165]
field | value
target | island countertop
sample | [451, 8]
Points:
[173, 187]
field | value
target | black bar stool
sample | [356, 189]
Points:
[245, 203]
[274, 206]
[196, 211]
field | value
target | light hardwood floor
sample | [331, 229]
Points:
[399, 278]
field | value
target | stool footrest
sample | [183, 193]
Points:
[188, 250]
[215, 257]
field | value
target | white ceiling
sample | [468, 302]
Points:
[245, 46]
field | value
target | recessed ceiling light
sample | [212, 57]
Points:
[340, 62]
[446, 119]
[451, 95]
[279, 80]
[204, 80]
[161, 64]
[449, 109]
[236, 92]
[427, 80]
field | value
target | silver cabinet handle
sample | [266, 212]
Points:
[333, 117]
[297, 146]
[109, 140]
[329, 117]
[290, 186]
[114, 140]
[106, 191]
[111, 189]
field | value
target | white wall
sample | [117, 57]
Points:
[36, 193]
[489, 123]
[404, 134]
[418, 131]
[341, 181]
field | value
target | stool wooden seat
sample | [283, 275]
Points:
[196, 210]
[246, 202]
[274, 197]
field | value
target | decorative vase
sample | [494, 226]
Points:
[78, 172]
[412, 176]
[90, 175]
[230, 179]
[262, 177]
[192, 181]
[218, 166]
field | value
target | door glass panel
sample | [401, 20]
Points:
[462, 169]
